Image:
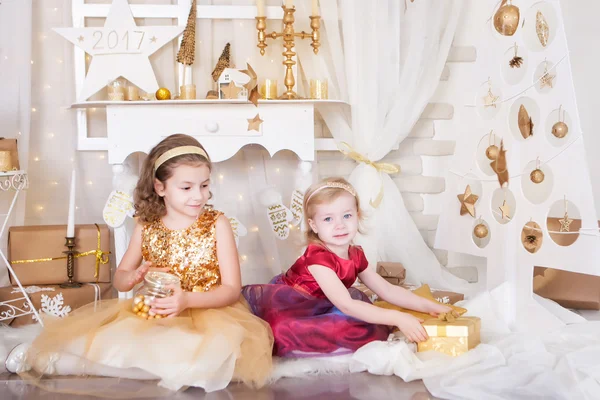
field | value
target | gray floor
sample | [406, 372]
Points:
[356, 386]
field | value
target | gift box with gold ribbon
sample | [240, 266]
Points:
[36, 254]
[49, 300]
[451, 336]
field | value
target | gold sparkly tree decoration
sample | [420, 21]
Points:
[224, 62]
[187, 50]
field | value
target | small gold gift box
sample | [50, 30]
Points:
[453, 338]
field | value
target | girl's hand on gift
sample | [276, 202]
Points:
[411, 327]
[172, 305]
[436, 309]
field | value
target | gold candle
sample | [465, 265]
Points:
[268, 90]
[132, 93]
[187, 92]
[318, 89]
[116, 91]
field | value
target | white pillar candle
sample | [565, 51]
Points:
[71, 218]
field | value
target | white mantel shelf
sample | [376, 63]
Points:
[105, 103]
[220, 125]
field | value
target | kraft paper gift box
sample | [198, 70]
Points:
[36, 254]
[49, 299]
[451, 337]
[392, 272]
[569, 289]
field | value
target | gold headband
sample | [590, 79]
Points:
[178, 151]
[335, 185]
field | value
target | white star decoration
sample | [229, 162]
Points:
[120, 49]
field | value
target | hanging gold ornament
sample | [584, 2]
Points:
[547, 79]
[537, 176]
[491, 152]
[163, 94]
[525, 122]
[565, 221]
[542, 29]
[505, 210]
[516, 61]
[532, 237]
[506, 19]
[467, 202]
[480, 231]
[560, 129]
[499, 166]
[489, 100]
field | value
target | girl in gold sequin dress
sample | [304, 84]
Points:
[208, 336]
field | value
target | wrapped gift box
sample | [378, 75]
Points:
[569, 289]
[442, 296]
[423, 291]
[451, 337]
[392, 272]
[50, 299]
[36, 254]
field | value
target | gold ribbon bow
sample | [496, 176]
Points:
[388, 168]
[101, 257]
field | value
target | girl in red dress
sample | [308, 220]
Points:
[313, 308]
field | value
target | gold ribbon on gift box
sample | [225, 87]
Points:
[101, 257]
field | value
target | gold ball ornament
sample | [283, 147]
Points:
[480, 231]
[163, 94]
[492, 152]
[560, 129]
[537, 176]
[506, 19]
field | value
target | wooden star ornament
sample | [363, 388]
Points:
[505, 210]
[564, 223]
[252, 85]
[490, 99]
[231, 91]
[254, 123]
[467, 202]
[547, 80]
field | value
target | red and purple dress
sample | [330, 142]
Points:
[304, 321]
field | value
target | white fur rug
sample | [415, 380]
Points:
[283, 367]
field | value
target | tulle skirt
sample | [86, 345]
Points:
[205, 348]
[304, 325]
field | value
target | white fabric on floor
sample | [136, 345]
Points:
[563, 364]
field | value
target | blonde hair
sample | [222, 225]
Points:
[149, 206]
[325, 192]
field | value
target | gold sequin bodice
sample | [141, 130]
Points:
[190, 253]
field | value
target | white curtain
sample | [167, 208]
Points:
[386, 59]
[15, 101]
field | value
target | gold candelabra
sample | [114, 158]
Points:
[288, 36]
[70, 244]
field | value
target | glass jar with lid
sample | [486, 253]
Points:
[154, 286]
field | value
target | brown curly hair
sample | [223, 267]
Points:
[325, 196]
[149, 206]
